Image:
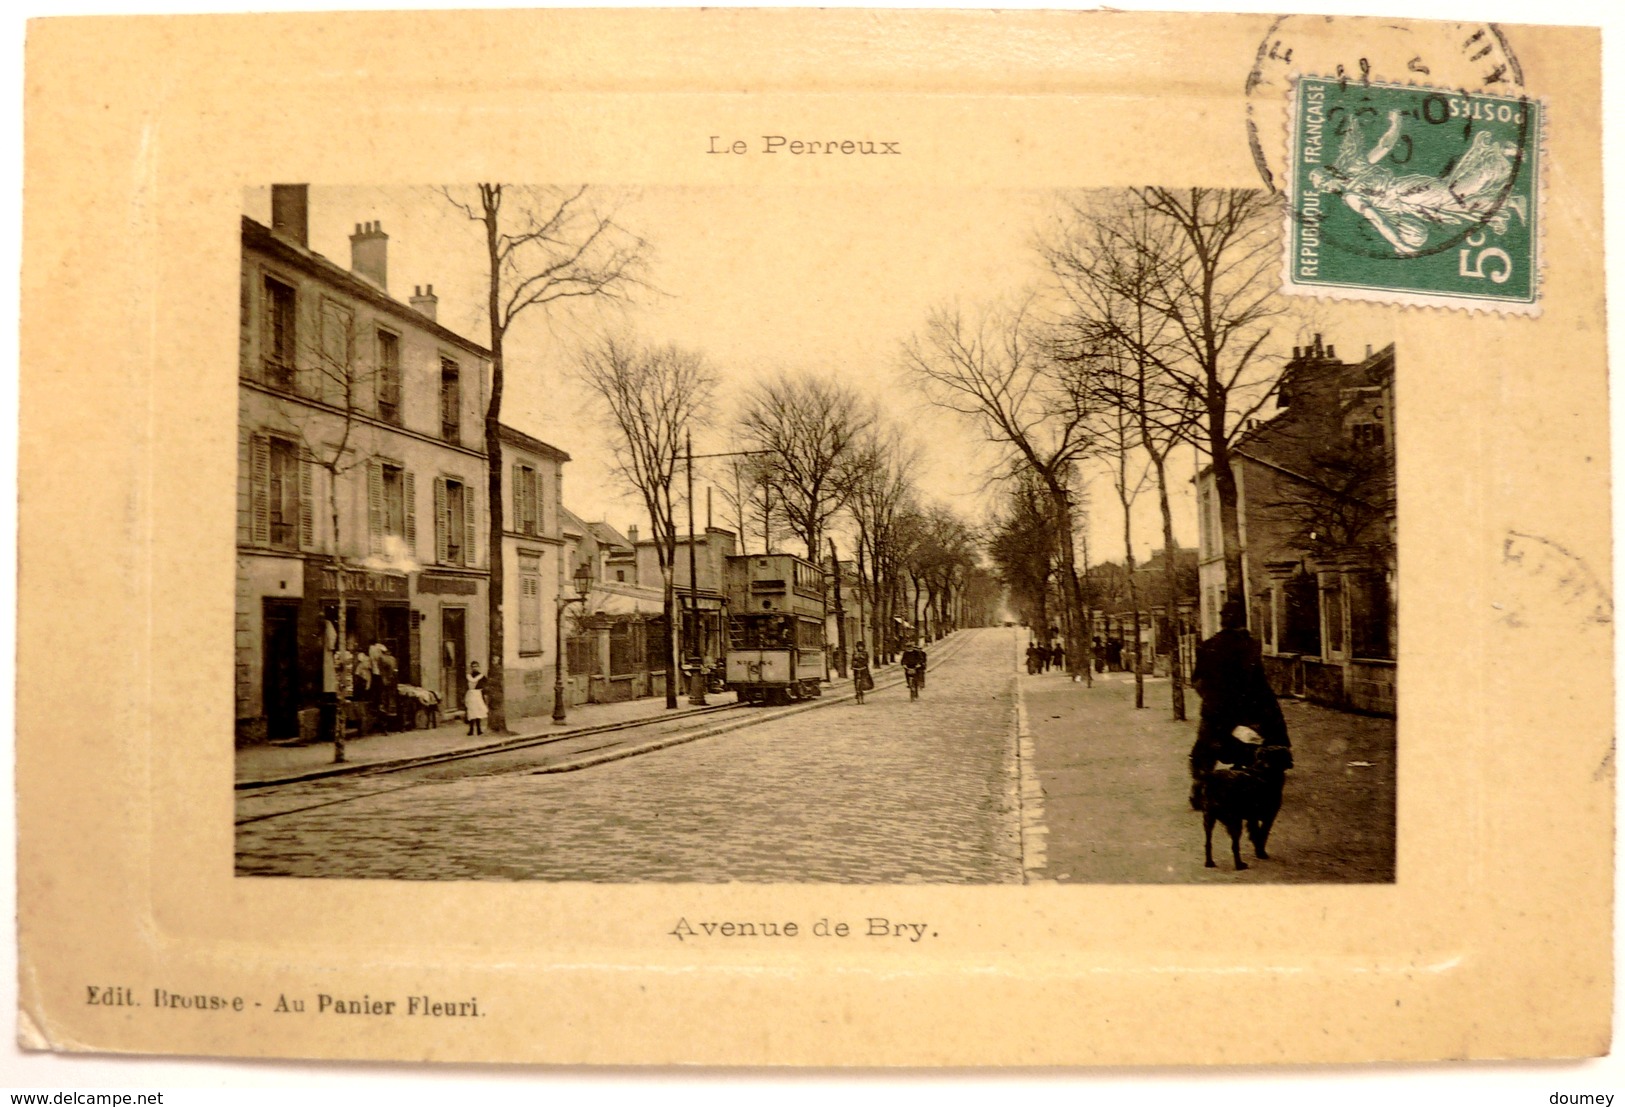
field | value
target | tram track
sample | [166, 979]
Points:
[657, 734]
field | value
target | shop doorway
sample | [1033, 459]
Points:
[280, 676]
[453, 657]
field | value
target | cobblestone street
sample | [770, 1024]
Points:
[887, 792]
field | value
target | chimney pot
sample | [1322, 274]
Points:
[1331, 353]
[425, 302]
[369, 254]
[290, 212]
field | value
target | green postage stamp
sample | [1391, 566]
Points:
[1406, 194]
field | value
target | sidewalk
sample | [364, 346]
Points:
[1113, 784]
[261, 765]
[258, 766]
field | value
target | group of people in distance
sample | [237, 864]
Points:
[1043, 656]
[371, 677]
[913, 659]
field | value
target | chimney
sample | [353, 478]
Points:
[424, 302]
[369, 254]
[632, 534]
[290, 212]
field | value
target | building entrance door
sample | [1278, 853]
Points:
[453, 657]
[280, 678]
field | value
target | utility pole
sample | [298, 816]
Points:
[840, 613]
[696, 680]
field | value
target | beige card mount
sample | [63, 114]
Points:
[996, 879]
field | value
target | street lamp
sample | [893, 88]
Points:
[583, 583]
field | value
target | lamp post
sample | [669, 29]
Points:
[583, 583]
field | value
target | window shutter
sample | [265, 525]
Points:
[307, 502]
[375, 506]
[410, 510]
[440, 520]
[533, 504]
[517, 523]
[245, 486]
[468, 525]
[260, 495]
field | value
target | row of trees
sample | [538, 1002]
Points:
[812, 460]
[1151, 329]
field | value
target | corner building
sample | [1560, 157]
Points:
[359, 452]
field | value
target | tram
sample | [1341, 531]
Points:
[775, 649]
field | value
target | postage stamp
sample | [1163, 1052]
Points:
[1404, 193]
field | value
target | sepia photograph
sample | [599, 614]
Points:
[605, 534]
[838, 539]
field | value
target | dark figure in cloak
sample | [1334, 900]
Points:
[1235, 692]
[1032, 659]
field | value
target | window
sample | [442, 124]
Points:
[280, 511]
[1369, 620]
[1331, 606]
[280, 334]
[527, 511]
[391, 512]
[337, 383]
[451, 400]
[454, 522]
[389, 377]
[284, 494]
[620, 575]
[530, 604]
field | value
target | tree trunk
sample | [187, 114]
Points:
[670, 605]
[1176, 664]
[1224, 484]
[496, 648]
[1134, 605]
[1078, 649]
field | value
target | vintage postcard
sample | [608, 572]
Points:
[814, 538]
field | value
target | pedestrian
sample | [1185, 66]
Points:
[1057, 655]
[328, 705]
[1236, 693]
[474, 707]
[384, 681]
[861, 680]
[1032, 658]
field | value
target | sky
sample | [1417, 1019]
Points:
[738, 276]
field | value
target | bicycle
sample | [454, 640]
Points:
[915, 678]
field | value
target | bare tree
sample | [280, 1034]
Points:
[812, 430]
[882, 495]
[542, 245]
[335, 439]
[1023, 544]
[1108, 258]
[652, 396]
[742, 479]
[999, 372]
[1212, 257]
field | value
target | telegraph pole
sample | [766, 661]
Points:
[840, 613]
[696, 680]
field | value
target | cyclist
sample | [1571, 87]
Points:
[914, 669]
